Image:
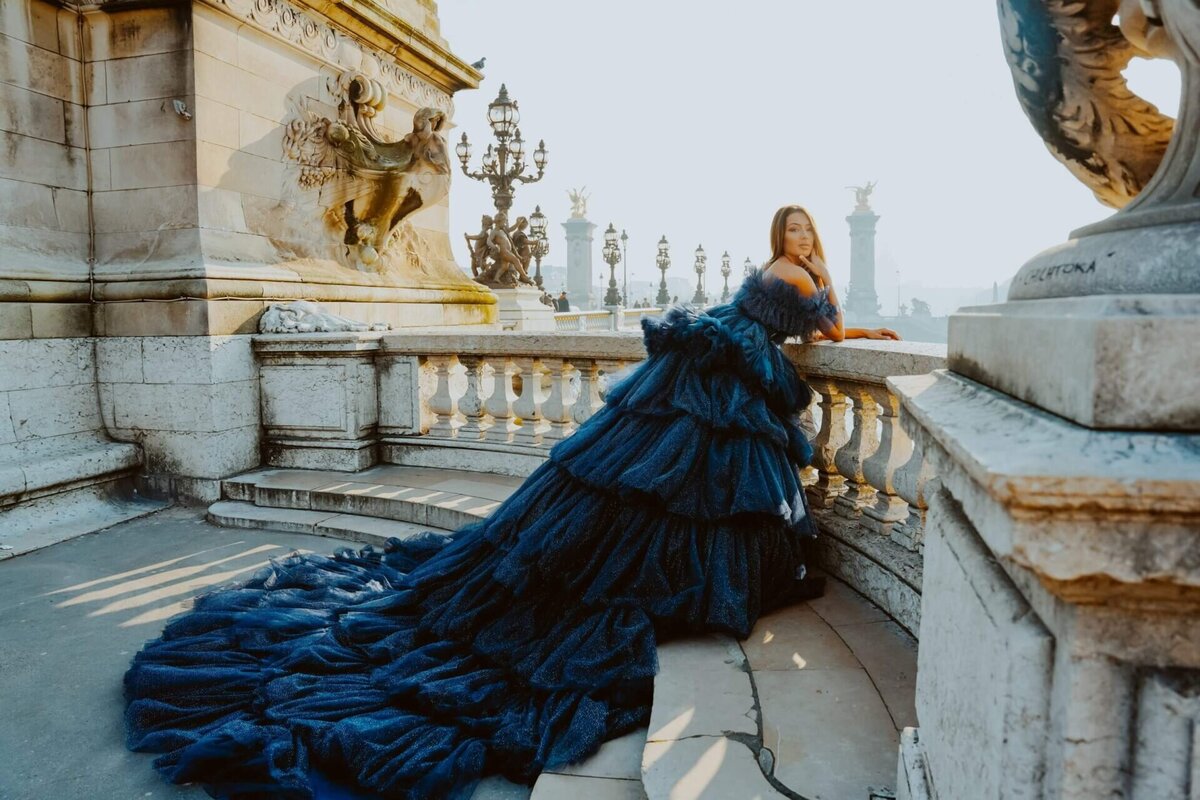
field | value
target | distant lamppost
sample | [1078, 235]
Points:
[541, 244]
[611, 254]
[725, 271]
[701, 266]
[505, 164]
[748, 268]
[663, 262]
[624, 268]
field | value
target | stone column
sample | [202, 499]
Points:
[1060, 649]
[579, 261]
[861, 301]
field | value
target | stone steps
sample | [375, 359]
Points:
[811, 704]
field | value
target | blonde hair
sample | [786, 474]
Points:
[779, 228]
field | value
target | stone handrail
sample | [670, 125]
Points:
[345, 401]
[602, 320]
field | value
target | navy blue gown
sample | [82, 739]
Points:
[523, 641]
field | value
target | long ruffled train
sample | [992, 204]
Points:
[517, 643]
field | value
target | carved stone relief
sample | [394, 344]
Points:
[365, 186]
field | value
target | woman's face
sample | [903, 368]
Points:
[798, 237]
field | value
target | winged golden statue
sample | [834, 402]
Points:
[367, 185]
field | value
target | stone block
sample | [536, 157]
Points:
[60, 320]
[702, 689]
[30, 21]
[121, 124]
[42, 413]
[269, 59]
[39, 161]
[32, 114]
[179, 318]
[984, 709]
[144, 166]
[216, 122]
[201, 408]
[16, 321]
[161, 75]
[796, 638]
[38, 364]
[551, 786]
[70, 208]
[44, 71]
[152, 209]
[222, 209]
[1106, 361]
[198, 359]
[260, 137]
[216, 454]
[238, 170]
[215, 34]
[119, 360]
[26, 205]
[141, 32]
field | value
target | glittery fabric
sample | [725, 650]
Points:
[520, 642]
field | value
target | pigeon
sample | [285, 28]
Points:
[479, 64]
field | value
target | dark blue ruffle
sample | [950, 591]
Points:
[519, 642]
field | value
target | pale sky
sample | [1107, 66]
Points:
[698, 119]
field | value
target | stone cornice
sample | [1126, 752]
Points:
[372, 23]
[324, 28]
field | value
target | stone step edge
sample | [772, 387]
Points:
[431, 514]
[374, 531]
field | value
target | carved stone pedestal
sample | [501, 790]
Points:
[1060, 642]
[521, 309]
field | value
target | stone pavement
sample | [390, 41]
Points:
[824, 686]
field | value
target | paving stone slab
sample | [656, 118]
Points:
[616, 758]
[705, 768]
[889, 655]
[796, 638]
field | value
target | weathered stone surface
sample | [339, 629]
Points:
[990, 699]
[1033, 483]
[800, 708]
[701, 689]
[703, 768]
[1109, 361]
[552, 786]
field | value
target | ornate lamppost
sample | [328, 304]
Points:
[541, 243]
[663, 262]
[611, 254]
[624, 268]
[748, 268]
[498, 256]
[701, 266]
[725, 270]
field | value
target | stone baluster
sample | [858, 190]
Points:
[527, 406]
[581, 322]
[557, 407]
[910, 482]
[831, 438]
[499, 403]
[610, 367]
[864, 441]
[471, 403]
[889, 509]
[441, 403]
[588, 402]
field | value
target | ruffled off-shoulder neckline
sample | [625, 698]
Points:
[779, 306]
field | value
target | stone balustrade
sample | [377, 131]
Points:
[603, 320]
[498, 401]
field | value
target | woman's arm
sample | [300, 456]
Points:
[863, 333]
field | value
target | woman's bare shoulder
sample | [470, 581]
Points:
[797, 276]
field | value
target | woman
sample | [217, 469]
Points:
[522, 641]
